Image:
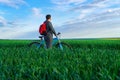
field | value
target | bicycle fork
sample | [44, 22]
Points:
[60, 45]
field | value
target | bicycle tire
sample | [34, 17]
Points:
[34, 45]
[64, 45]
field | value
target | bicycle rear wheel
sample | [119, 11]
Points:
[34, 45]
[63, 46]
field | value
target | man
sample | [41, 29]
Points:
[50, 31]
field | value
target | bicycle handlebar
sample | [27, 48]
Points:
[56, 35]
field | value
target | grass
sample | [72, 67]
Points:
[89, 60]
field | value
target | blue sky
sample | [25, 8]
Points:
[20, 19]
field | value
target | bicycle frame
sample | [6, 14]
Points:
[55, 40]
[58, 40]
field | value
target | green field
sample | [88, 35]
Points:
[94, 59]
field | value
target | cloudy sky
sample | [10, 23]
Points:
[20, 19]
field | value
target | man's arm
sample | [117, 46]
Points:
[52, 29]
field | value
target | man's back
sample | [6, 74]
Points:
[50, 28]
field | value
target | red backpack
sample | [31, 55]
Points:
[42, 29]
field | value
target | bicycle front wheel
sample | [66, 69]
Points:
[34, 45]
[63, 46]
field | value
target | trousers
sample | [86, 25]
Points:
[48, 40]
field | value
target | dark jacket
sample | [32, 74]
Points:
[50, 28]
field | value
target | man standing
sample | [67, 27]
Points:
[50, 31]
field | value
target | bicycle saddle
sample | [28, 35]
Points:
[40, 36]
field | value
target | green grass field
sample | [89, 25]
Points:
[97, 59]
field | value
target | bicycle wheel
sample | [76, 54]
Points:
[34, 45]
[63, 46]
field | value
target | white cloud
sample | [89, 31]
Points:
[37, 12]
[85, 13]
[3, 22]
[19, 28]
[98, 4]
[64, 5]
[96, 13]
[79, 26]
[13, 3]
[19, 31]
[94, 30]
[67, 2]
[93, 19]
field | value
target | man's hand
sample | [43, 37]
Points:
[58, 33]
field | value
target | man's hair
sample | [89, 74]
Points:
[48, 16]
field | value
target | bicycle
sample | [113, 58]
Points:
[56, 43]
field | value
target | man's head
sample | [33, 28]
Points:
[48, 17]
